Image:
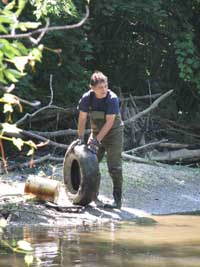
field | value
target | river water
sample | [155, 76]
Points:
[168, 241]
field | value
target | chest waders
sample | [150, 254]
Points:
[112, 144]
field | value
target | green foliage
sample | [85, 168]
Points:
[188, 59]
[136, 43]
[126, 41]
[66, 56]
[14, 55]
[144, 45]
[57, 7]
[14, 58]
[140, 45]
[18, 57]
[70, 77]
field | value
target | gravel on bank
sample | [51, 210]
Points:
[158, 189]
[147, 190]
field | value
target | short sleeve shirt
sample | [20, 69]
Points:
[108, 104]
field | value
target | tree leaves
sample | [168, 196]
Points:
[20, 7]
[11, 99]
[10, 128]
[18, 142]
[10, 76]
[3, 29]
[20, 62]
[30, 152]
[24, 245]
[10, 6]
[187, 58]
[15, 54]
[24, 26]
[7, 108]
[56, 7]
[28, 259]
[14, 51]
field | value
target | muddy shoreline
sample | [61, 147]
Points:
[147, 190]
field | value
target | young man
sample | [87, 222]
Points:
[102, 105]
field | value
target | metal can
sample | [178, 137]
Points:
[42, 188]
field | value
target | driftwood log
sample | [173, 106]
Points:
[180, 155]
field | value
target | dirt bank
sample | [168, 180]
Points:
[147, 190]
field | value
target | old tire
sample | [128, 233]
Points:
[81, 175]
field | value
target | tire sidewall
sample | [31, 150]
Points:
[89, 175]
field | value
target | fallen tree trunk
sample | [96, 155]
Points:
[173, 145]
[173, 156]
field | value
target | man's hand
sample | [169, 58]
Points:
[93, 145]
[80, 141]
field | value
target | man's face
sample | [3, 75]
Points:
[100, 90]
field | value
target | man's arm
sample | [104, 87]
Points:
[106, 127]
[82, 119]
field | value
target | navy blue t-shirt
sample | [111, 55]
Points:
[108, 104]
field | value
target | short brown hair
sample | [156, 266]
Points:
[98, 77]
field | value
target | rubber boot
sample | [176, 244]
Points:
[117, 194]
[99, 203]
[117, 203]
[117, 178]
[96, 200]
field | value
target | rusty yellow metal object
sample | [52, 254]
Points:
[42, 188]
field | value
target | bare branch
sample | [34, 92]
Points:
[171, 129]
[126, 156]
[7, 89]
[34, 104]
[141, 97]
[49, 106]
[60, 133]
[147, 146]
[35, 136]
[51, 89]
[36, 41]
[36, 161]
[150, 108]
[47, 29]
[28, 115]
[49, 142]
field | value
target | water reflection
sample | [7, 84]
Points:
[173, 241]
